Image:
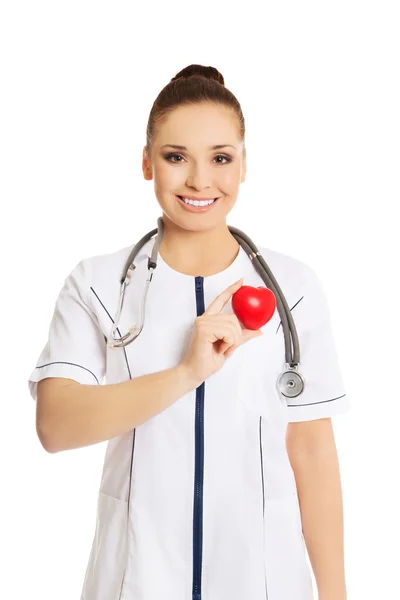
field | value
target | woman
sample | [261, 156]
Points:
[209, 476]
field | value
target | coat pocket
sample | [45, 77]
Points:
[106, 565]
[287, 570]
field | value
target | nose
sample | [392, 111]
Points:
[199, 178]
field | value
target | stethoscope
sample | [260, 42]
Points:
[290, 382]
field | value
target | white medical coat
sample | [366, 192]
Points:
[200, 501]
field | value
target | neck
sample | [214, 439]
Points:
[198, 253]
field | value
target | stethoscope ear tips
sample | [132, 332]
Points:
[290, 382]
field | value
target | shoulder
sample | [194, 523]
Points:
[108, 268]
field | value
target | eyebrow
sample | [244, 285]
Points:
[218, 146]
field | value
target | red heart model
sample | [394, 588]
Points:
[253, 306]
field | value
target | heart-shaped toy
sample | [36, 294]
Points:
[253, 306]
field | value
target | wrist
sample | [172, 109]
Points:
[187, 377]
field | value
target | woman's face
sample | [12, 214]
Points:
[198, 171]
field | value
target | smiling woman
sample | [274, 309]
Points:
[197, 498]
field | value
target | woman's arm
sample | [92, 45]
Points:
[312, 453]
[71, 414]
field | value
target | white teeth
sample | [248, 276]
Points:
[197, 202]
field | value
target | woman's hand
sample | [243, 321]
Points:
[215, 337]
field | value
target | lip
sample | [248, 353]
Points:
[197, 209]
[195, 198]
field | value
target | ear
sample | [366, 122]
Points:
[146, 166]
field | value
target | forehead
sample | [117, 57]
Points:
[198, 125]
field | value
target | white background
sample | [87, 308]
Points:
[318, 83]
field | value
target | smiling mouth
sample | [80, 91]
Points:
[197, 208]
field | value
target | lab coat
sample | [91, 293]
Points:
[200, 501]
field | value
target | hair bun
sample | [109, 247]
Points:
[202, 71]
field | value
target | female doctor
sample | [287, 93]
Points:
[214, 484]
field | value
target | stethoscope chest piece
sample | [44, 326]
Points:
[291, 382]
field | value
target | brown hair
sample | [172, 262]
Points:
[193, 85]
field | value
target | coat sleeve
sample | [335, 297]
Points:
[76, 346]
[324, 394]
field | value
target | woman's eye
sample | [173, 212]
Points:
[173, 155]
[169, 156]
[224, 157]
